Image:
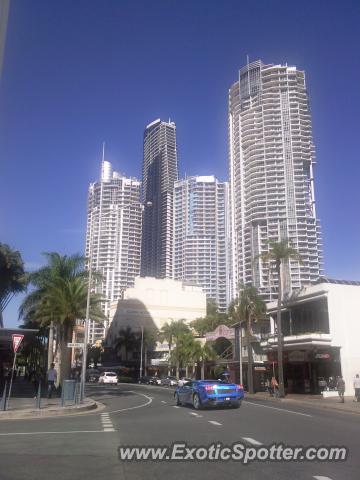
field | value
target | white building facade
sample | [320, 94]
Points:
[321, 328]
[113, 238]
[201, 236]
[271, 176]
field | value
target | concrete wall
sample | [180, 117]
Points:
[344, 318]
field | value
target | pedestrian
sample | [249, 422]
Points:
[357, 387]
[51, 379]
[340, 385]
[275, 387]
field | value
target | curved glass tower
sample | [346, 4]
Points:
[271, 176]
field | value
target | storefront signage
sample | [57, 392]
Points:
[323, 356]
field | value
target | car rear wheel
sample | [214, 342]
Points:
[236, 404]
[196, 401]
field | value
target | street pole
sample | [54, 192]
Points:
[11, 380]
[240, 355]
[141, 351]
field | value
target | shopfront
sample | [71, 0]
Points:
[307, 371]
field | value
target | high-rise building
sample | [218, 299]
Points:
[271, 176]
[160, 171]
[113, 238]
[201, 236]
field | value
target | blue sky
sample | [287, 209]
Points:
[77, 73]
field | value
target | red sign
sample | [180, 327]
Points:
[17, 339]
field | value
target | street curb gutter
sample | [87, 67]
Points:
[303, 403]
[49, 412]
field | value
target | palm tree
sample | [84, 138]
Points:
[248, 307]
[280, 253]
[149, 342]
[126, 339]
[204, 354]
[169, 332]
[59, 297]
[182, 353]
[13, 278]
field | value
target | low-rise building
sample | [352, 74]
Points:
[153, 302]
[321, 329]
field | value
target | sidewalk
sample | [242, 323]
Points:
[316, 401]
[26, 408]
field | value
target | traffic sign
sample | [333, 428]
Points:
[17, 339]
[75, 345]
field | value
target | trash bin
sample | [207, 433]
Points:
[68, 391]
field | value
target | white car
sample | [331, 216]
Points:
[108, 377]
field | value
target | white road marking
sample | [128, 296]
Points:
[319, 477]
[214, 423]
[175, 406]
[163, 401]
[280, 409]
[109, 430]
[251, 440]
[137, 406]
[195, 414]
[50, 433]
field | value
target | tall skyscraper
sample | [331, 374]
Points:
[271, 175]
[113, 238]
[159, 173]
[201, 234]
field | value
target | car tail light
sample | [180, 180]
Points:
[209, 388]
[240, 387]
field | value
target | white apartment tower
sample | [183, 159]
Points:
[201, 234]
[271, 176]
[113, 238]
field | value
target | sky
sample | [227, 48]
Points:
[79, 73]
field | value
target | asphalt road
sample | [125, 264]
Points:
[86, 446]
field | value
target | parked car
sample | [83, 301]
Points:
[92, 375]
[145, 379]
[169, 381]
[206, 393]
[183, 380]
[109, 378]
[154, 381]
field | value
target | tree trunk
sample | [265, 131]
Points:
[250, 359]
[145, 361]
[177, 370]
[187, 371]
[203, 370]
[65, 353]
[169, 362]
[51, 345]
[279, 332]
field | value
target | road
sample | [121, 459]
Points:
[86, 446]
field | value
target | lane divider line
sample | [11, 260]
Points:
[279, 409]
[214, 422]
[251, 440]
[319, 477]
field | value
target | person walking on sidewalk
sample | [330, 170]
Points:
[357, 387]
[51, 379]
[341, 388]
[275, 387]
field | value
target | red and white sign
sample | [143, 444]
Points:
[17, 339]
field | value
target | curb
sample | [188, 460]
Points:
[49, 412]
[302, 403]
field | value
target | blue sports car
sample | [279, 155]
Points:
[204, 393]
